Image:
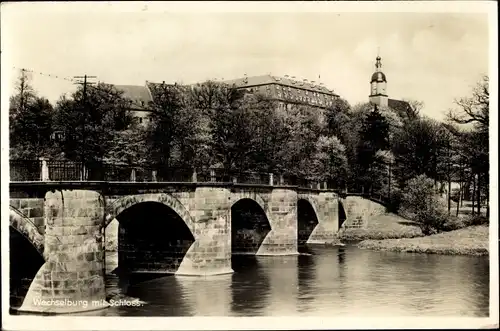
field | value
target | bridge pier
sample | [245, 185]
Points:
[210, 253]
[72, 278]
[282, 239]
[327, 212]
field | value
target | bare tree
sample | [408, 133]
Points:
[474, 109]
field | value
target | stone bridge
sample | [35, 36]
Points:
[173, 228]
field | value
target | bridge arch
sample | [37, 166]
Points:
[307, 220]
[155, 232]
[312, 202]
[26, 248]
[250, 223]
[128, 201]
[22, 224]
[250, 196]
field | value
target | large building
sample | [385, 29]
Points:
[286, 90]
[378, 90]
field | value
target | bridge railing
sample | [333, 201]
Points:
[376, 196]
[54, 170]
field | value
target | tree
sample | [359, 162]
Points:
[417, 149]
[421, 203]
[303, 126]
[24, 96]
[30, 122]
[267, 134]
[329, 163]
[474, 110]
[337, 117]
[31, 130]
[174, 121]
[90, 121]
[227, 123]
[128, 147]
[374, 137]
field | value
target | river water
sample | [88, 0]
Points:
[330, 281]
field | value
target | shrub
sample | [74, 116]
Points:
[420, 201]
[454, 223]
[394, 203]
[477, 220]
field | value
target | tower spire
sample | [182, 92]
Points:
[378, 64]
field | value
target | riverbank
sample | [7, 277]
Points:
[385, 226]
[473, 240]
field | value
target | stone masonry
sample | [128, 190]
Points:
[210, 254]
[69, 229]
[72, 277]
[31, 208]
[282, 215]
[359, 210]
[325, 204]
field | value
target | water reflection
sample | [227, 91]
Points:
[282, 272]
[331, 281]
[249, 286]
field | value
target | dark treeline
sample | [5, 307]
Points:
[361, 148]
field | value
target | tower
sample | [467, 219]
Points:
[378, 85]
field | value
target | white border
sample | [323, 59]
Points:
[181, 323]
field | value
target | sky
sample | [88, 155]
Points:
[429, 57]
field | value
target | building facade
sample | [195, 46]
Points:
[287, 90]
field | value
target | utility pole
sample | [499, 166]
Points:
[23, 78]
[84, 102]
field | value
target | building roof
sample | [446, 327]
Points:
[284, 81]
[378, 76]
[398, 104]
[138, 94]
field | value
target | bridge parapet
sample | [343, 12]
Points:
[63, 171]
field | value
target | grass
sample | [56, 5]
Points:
[385, 226]
[473, 240]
